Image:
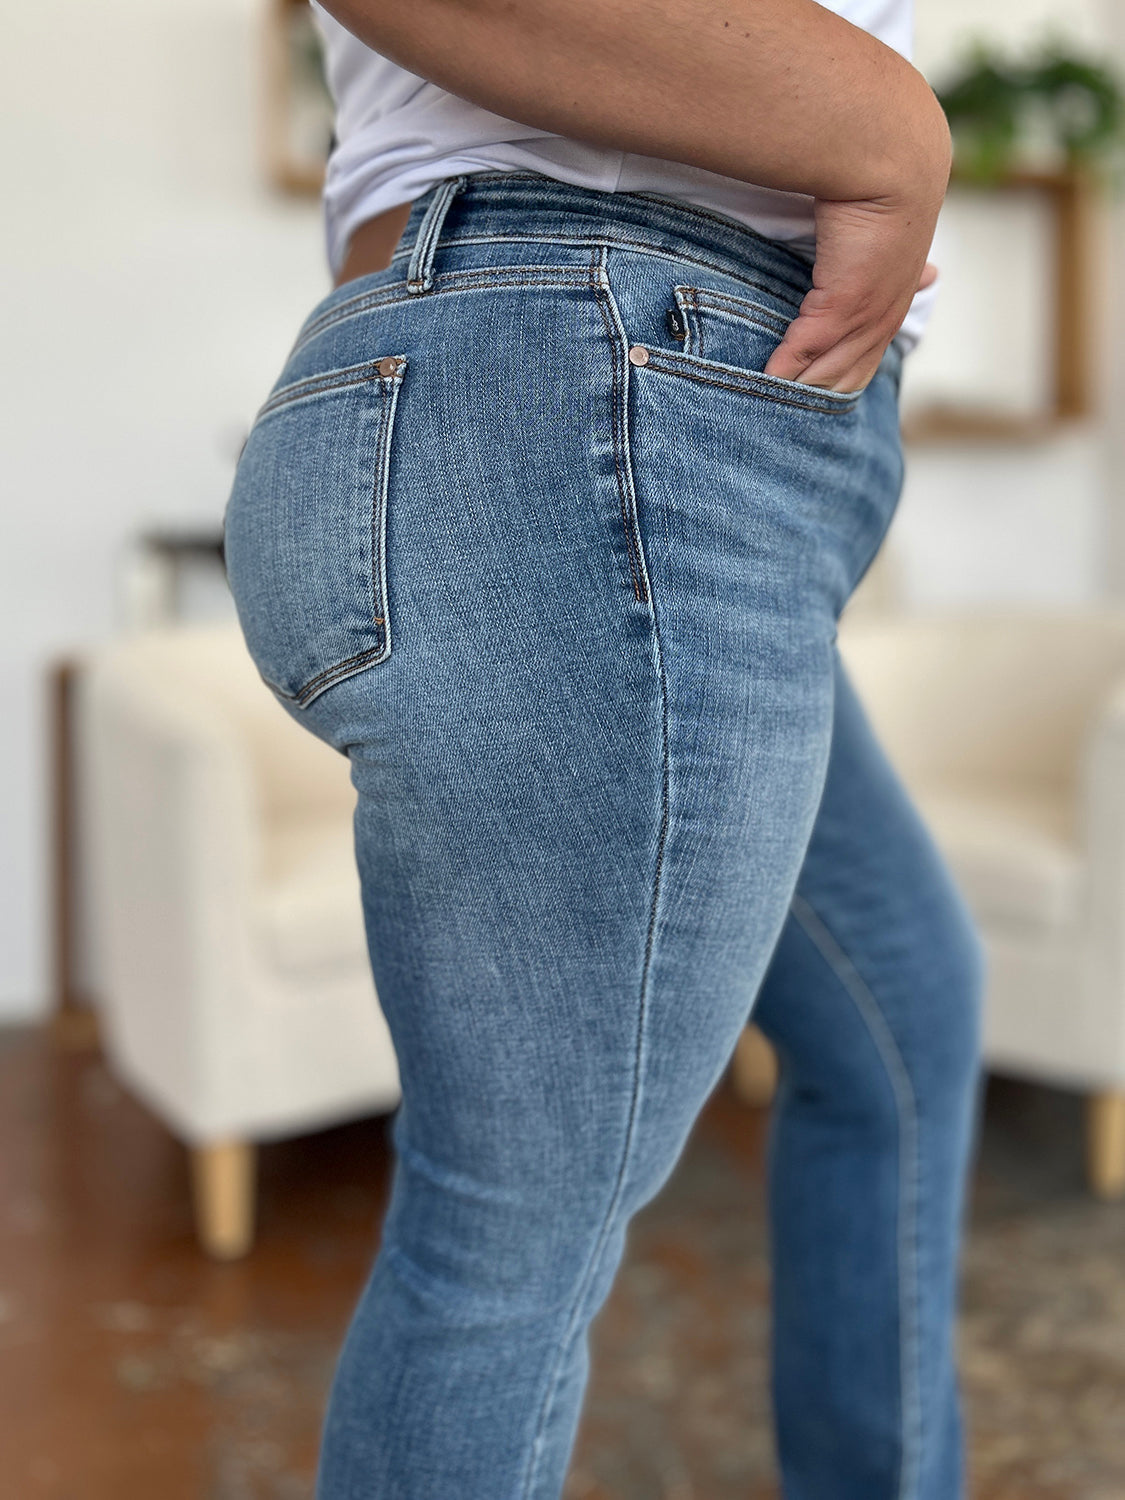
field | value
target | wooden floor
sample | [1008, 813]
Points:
[133, 1369]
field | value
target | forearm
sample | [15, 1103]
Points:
[782, 93]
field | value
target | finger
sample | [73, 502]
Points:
[928, 277]
[836, 358]
[843, 374]
[810, 337]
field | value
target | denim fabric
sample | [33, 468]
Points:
[525, 533]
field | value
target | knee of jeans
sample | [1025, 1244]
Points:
[943, 1047]
[959, 992]
[502, 1246]
[905, 1025]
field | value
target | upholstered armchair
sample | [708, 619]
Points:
[1009, 728]
[237, 1000]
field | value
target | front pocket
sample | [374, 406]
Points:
[305, 528]
[727, 335]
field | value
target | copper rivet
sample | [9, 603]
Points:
[388, 366]
[638, 354]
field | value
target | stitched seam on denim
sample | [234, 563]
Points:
[909, 1184]
[392, 390]
[726, 266]
[747, 314]
[693, 210]
[749, 388]
[683, 299]
[736, 307]
[698, 212]
[679, 364]
[750, 315]
[389, 386]
[324, 678]
[447, 281]
[638, 1059]
[417, 250]
[420, 273]
[619, 424]
[694, 296]
[416, 275]
[330, 676]
[468, 273]
[378, 508]
[664, 200]
[316, 385]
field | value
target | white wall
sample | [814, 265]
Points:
[1001, 522]
[151, 287]
[942, 26]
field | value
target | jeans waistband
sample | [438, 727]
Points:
[499, 206]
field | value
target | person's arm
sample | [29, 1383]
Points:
[781, 93]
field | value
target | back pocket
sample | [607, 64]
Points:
[305, 528]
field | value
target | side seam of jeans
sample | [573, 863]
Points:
[623, 461]
[909, 1186]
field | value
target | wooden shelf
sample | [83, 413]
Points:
[957, 424]
[1074, 197]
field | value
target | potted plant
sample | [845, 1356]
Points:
[1054, 111]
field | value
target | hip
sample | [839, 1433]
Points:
[549, 398]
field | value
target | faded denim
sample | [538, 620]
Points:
[524, 532]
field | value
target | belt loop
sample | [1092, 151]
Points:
[419, 276]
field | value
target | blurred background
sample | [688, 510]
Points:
[195, 1082]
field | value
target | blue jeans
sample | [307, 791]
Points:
[524, 532]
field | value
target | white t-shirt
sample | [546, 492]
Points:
[397, 134]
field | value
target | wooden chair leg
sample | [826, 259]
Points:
[74, 1024]
[1105, 1143]
[754, 1068]
[223, 1187]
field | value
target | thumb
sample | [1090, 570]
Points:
[929, 275]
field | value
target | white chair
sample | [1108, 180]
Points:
[1009, 728]
[237, 999]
